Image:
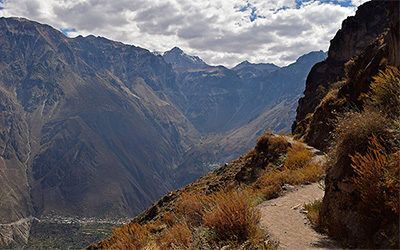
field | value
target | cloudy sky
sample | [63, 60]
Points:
[219, 31]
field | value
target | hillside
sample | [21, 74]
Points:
[218, 209]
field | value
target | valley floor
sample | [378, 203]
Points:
[286, 222]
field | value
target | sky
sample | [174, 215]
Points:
[219, 31]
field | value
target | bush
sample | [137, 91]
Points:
[274, 145]
[169, 218]
[385, 92]
[269, 185]
[353, 133]
[312, 172]
[131, 236]
[191, 208]
[298, 156]
[232, 217]
[383, 171]
[313, 213]
[178, 236]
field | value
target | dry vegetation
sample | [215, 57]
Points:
[383, 171]
[297, 168]
[313, 213]
[367, 144]
[209, 216]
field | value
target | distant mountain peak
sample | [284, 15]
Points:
[176, 50]
[311, 56]
[247, 69]
[180, 60]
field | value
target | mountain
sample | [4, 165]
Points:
[218, 99]
[246, 69]
[77, 112]
[240, 109]
[351, 110]
[96, 128]
[182, 61]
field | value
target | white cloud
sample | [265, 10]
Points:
[213, 29]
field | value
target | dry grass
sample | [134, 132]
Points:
[313, 213]
[179, 236]
[298, 156]
[353, 133]
[383, 171]
[169, 218]
[298, 168]
[130, 236]
[191, 208]
[385, 92]
[232, 217]
[272, 144]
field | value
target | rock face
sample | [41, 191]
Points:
[367, 43]
[357, 33]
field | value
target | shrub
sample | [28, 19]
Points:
[191, 208]
[269, 185]
[354, 131]
[383, 171]
[232, 217]
[274, 145]
[385, 92]
[131, 236]
[313, 213]
[169, 218]
[178, 236]
[312, 172]
[298, 156]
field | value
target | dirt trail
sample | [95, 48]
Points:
[286, 222]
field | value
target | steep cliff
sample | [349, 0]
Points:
[358, 36]
[351, 110]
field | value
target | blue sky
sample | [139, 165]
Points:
[219, 31]
[343, 3]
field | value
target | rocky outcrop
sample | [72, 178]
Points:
[366, 44]
[315, 118]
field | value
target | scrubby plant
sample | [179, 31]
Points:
[313, 213]
[385, 92]
[232, 217]
[353, 133]
[382, 170]
[179, 236]
[131, 236]
[272, 144]
[191, 208]
[298, 156]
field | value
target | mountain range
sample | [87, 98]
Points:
[94, 127]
